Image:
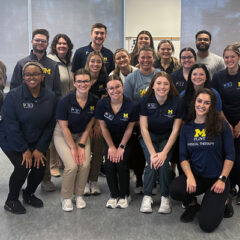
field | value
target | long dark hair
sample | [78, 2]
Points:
[190, 91]
[172, 92]
[214, 121]
[69, 43]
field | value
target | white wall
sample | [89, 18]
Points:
[160, 17]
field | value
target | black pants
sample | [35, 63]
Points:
[235, 173]
[20, 173]
[117, 174]
[137, 158]
[213, 204]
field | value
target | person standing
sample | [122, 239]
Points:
[98, 35]
[213, 62]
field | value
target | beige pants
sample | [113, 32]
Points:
[74, 176]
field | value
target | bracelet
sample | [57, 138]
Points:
[185, 167]
[81, 145]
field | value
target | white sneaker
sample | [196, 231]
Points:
[95, 190]
[146, 205]
[124, 202]
[67, 205]
[87, 191]
[165, 205]
[111, 203]
[80, 203]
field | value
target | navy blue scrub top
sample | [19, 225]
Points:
[117, 123]
[160, 117]
[69, 110]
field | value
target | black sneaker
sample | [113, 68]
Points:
[14, 206]
[190, 213]
[233, 192]
[228, 212]
[32, 200]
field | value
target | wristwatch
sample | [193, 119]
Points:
[122, 146]
[222, 178]
[81, 145]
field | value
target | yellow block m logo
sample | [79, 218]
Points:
[170, 111]
[47, 71]
[125, 115]
[199, 133]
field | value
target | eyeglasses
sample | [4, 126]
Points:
[186, 57]
[82, 82]
[203, 39]
[34, 75]
[114, 88]
[37, 40]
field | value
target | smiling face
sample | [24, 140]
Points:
[161, 87]
[95, 64]
[202, 104]
[203, 42]
[98, 36]
[165, 50]
[62, 47]
[187, 59]
[145, 60]
[143, 41]
[122, 59]
[39, 43]
[82, 83]
[33, 76]
[231, 59]
[115, 89]
[198, 77]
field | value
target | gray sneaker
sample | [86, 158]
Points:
[48, 186]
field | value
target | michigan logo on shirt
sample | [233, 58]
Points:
[238, 84]
[109, 116]
[152, 106]
[170, 113]
[125, 117]
[27, 105]
[75, 110]
[199, 134]
[91, 109]
[105, 59]
[100, 86]
[47, 71]
[142, 92]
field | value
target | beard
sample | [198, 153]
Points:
[202, 47]
[39, 50]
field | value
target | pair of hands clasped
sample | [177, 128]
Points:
[115, 154]
[217, 187]
[28, 157]
[158, 159]
[78, 154]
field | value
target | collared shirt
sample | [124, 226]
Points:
[27, 122]
[206, 157]
[99, 87]
[52, 78]
[69, 110]
[117, 123]
[80, 58]
[160, 117]
[228, 87]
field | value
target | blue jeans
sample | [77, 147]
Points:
[164, 173]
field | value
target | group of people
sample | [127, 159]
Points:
[128, 109]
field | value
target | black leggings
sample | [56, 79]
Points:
[213, 204]
[19, 175]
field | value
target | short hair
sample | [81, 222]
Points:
[81, 71]
[186, 49]
[98, 25]
[33, 63]
[204, 32]
[3, 75]
[41, 31]
[172, 92]
[166, 41]
[233, 47]
[95, 53]
[69, 43]
[148, 49]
